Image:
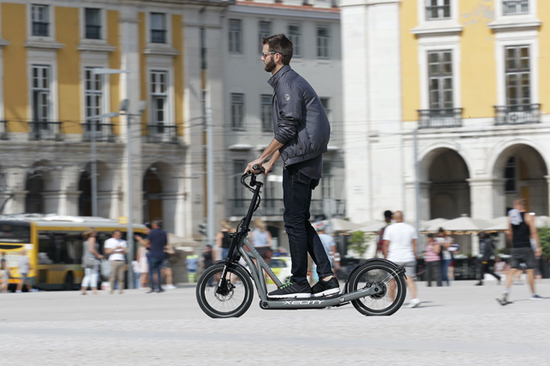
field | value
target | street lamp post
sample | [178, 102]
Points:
[124, 109]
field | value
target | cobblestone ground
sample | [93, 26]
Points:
[460, 325]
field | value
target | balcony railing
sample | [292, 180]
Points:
[45, 131]
[440, 118]
[517, 114]
[40, 29]
[4, 130]
[276, 207]
[103, 133]
[162, 134]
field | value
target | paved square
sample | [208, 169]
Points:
[457, 325]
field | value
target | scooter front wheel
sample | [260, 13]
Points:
[386, 277]
[230, 297]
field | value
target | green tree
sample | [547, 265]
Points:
[544, 235]
[357, 243]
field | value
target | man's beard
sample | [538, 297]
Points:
[270, 66]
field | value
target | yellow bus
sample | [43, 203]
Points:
[54, 246]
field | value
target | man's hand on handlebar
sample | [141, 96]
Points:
[250, 166]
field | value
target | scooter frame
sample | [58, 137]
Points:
[241, 248]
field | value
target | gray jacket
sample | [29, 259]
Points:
[299, 119]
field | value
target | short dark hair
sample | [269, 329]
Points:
[148, 225]
[157, 222]
[281, 44]
[388, 214]
[430, 235]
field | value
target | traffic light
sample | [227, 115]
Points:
[202, 229]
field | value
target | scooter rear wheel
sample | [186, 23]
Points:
[393, 289]
[232, 299]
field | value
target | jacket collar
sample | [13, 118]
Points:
[274, 80]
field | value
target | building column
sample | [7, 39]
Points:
[487, 197]
[109, 204]
[63, 203]
[173, 212]
[371, 64]
[547, 177]
[14, 202]
[425, 208]
[130, 89]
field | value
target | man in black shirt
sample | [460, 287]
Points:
[521, 230]
[156, 241]
[302, 132]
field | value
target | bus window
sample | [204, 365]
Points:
[15, 232]
[46, 249]
[74, 248]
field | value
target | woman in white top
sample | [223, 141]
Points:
[90, 261]
[261, 239]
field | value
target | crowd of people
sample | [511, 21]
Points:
[398, 243]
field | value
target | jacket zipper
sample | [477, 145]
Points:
[299, 144]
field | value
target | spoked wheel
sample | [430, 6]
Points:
[391, 286]
[231, 299]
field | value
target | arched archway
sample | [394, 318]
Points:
[152, 195]
[105, 184]
[446, 187]
[162, 195]
[523, 170]
[40, 178]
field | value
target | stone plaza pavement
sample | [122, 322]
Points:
[457, 325]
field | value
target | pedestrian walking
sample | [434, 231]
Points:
[4, 273]
[487, 249]
[24, 268]
[301, 134]
[90, 261]
[192, 264]
[400, 243]
[156, 242]
[116, 248]
[207, 261]
[330, 247]
[143, 256]
[521, 229]
[166, 269]
[432, 252]
[261, 240]
[446, 256]
[380, 247]
[222, 238]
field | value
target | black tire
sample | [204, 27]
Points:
[209, 299]
[382, 273]
[68, 285]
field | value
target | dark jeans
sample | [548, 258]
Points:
[302, 236]
[432, 273]
[484, 268]
[444, 270]
[155, 263]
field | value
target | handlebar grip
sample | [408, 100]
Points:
[260, 168]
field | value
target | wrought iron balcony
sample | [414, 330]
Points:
[517, 114]
[162, 134]
[4, 130]
[515, 7]
[276, 207]
[45, 131]
[103, 132]
[440, 118]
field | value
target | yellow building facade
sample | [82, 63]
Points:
[453, 96]
[62, 63]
